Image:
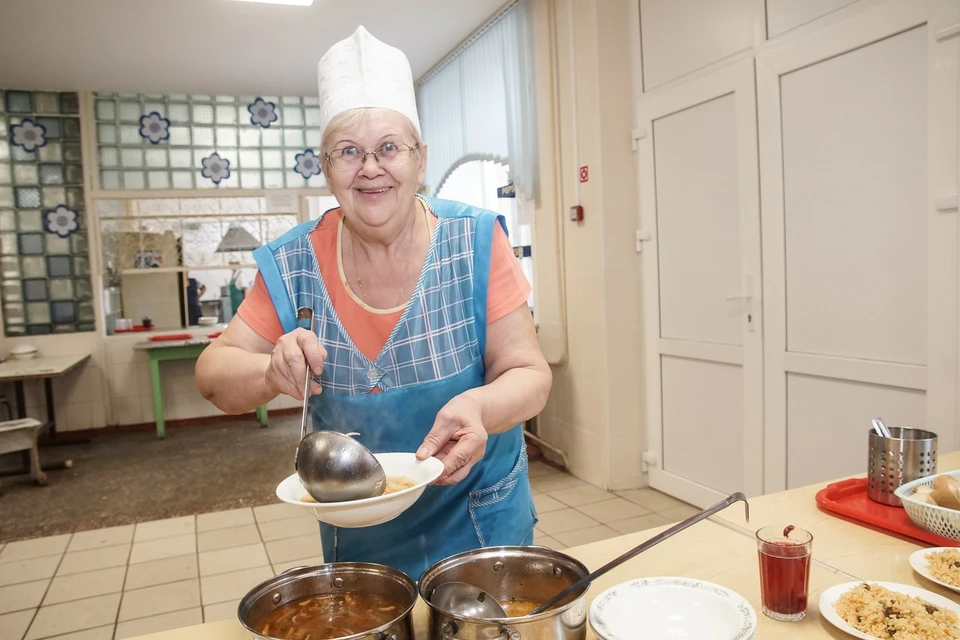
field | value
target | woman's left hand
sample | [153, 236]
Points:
[457, 438]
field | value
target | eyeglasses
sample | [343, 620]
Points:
[387, 155]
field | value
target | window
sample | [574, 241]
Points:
[476, 183]
[174, 260]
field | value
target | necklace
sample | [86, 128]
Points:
[363, 294]
[403, 279]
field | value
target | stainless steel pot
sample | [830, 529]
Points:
[341, 577]
[529, 573]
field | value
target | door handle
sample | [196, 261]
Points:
[746, 291]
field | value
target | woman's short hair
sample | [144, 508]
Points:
[352, 118]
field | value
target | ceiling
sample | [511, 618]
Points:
[212, 46]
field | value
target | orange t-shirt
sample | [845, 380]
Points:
[370, 328]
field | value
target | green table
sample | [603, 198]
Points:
[191, 349]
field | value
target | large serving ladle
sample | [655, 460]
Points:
[333, 467]
[467, 601]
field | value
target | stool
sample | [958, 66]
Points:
[21, 435]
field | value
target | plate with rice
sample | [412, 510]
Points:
[886, 610]
[939, 564]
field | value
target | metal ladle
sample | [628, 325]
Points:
[333, 467]
[465, 600]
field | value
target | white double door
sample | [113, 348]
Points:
[800, 267]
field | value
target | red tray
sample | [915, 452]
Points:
[848, 498]
[171, 336]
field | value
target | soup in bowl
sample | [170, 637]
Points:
[407, 478]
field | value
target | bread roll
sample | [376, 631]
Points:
[924, 497]
[948, 483]
[946, 498]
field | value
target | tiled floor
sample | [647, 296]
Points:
[573, 512]
[127, 581]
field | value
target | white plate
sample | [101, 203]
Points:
[668, 608]
[828, 601]
[369, 511]
[918, 560]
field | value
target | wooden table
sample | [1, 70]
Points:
[39, 368]
[845, 546]
[44, 368]
[724, 551]
[707, 551]
[190, 349]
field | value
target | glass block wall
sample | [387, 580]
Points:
[44, 265]
[199, 141]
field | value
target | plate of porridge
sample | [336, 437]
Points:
[939, 564]
[890, 611]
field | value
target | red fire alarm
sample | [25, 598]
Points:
[576, 213]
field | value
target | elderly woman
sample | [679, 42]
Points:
[425, 339]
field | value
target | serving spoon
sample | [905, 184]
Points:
[333, 467]
[466, 601]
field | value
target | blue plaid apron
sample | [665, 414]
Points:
[434, 353]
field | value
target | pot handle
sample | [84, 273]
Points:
[282, 573]
[453, 627]
[448, 629]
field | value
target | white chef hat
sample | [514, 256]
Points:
[362, 72]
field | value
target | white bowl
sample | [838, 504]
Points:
[369, 511]
[206, 321]
[23, 352]
[672, 607]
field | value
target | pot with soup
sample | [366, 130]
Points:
[355, 600]
[520, 578]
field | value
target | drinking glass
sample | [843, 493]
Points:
[784, 571]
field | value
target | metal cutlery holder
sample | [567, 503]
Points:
[909, 455]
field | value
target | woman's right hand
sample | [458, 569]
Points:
[287, 371]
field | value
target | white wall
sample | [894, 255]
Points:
[587, 273]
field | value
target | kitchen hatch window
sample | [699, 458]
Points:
[168, 262]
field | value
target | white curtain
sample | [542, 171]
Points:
[479, 104]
